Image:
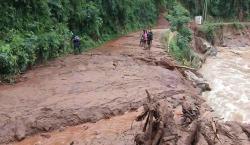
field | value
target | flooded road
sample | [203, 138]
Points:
[229, 76]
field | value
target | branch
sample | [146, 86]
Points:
[186, 67]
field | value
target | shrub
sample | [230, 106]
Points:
[8, 62]
[36, 31]
[209, 31]
[178, 17]
[180, 45]
[238, 25]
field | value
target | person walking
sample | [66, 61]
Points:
[150, 38]
[142, 38]
[76, 43]
[145, 38]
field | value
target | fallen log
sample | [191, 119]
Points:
[246, 129]
[157, 123]
[185, 67]
[192, 138]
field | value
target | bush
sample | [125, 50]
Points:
[178, 17]
[239, 26]
[36, 31]
[209, 31]
[180, 45]
[8, 62]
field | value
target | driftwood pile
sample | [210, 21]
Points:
[160, 127]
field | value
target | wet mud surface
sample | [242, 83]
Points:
[86, 92]
[113, 131]
[105, 82]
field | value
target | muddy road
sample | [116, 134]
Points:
[102, 83]
[94, 98]
[118, 130]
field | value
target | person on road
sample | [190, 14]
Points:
[76, 43]
[145, 38]
[141, 39]
[150, 38]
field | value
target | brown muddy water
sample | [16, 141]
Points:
[229, 76]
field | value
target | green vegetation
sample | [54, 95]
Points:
[179, 45]
[219, 9]
[239, 26]
[208, 30]
[34, 31]
[211, 31]
[180, 13]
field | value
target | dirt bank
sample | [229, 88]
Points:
[225, 34]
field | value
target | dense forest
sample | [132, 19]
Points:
[219, 9]
[34, 31]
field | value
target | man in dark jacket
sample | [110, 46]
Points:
[150, 38]
[76, 43]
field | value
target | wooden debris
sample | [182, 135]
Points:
[156, 123]
[215, 130]
[190, 113]
[166, 64]
[169, 138]
[194, 131]
[185, 67]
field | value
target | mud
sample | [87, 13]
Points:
[114, 131]
[102, 83]
[88, 90]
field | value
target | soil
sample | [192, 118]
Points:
[118, 130]
[103, 83]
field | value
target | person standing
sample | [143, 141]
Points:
[145, 38]
[142, 39]
[150, 38]
[76, 42]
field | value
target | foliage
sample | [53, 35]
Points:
[226, 9]
[208, 30]
[178, 17]
[211, 31]
[238, 25]
[179, 46]
[34, 31]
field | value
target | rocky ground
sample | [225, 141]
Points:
[104, 83]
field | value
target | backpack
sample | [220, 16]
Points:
[150, 35]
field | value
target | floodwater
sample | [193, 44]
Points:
[229, 76]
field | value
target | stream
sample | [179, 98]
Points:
[229, 76]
